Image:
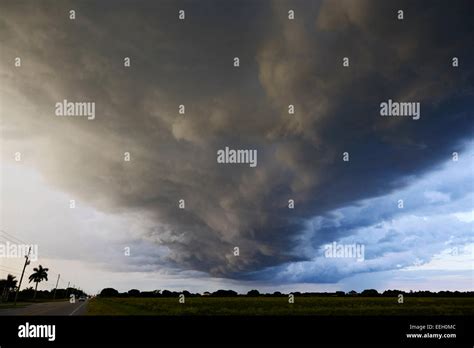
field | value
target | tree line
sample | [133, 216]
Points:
[9, 286]
[111, 292]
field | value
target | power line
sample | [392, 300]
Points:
[9, 234]
[13, 269]
[9, 271]
[12, 236]
[10, 240]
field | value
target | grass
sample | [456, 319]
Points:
[24, 303]
[279, 306]
[7, 305]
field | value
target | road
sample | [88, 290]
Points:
[48, 308]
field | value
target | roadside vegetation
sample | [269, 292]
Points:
[9, 287]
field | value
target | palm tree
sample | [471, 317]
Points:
[9, 284]
[39, 275]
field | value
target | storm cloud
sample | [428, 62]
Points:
[190, 62]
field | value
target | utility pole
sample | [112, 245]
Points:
[56, 288]
[27, 262]
[67, 289]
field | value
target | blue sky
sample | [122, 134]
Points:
[432, 233]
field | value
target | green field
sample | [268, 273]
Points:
[280, 306]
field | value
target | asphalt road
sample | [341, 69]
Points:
[48, 308]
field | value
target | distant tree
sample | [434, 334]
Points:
[253, 293]
[340, 293]
[277, 293]
[134, 292]
[166, 293]
[392, 293]
[224, 293]
[38, 276]
[154, 293]
[7, 285]
[109, 292]
[352, 293]
[61, 293]
[369, 292]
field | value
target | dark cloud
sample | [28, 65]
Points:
[282, 62]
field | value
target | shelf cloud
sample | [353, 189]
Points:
[283, 62]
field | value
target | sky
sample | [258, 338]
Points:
[134, 205]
